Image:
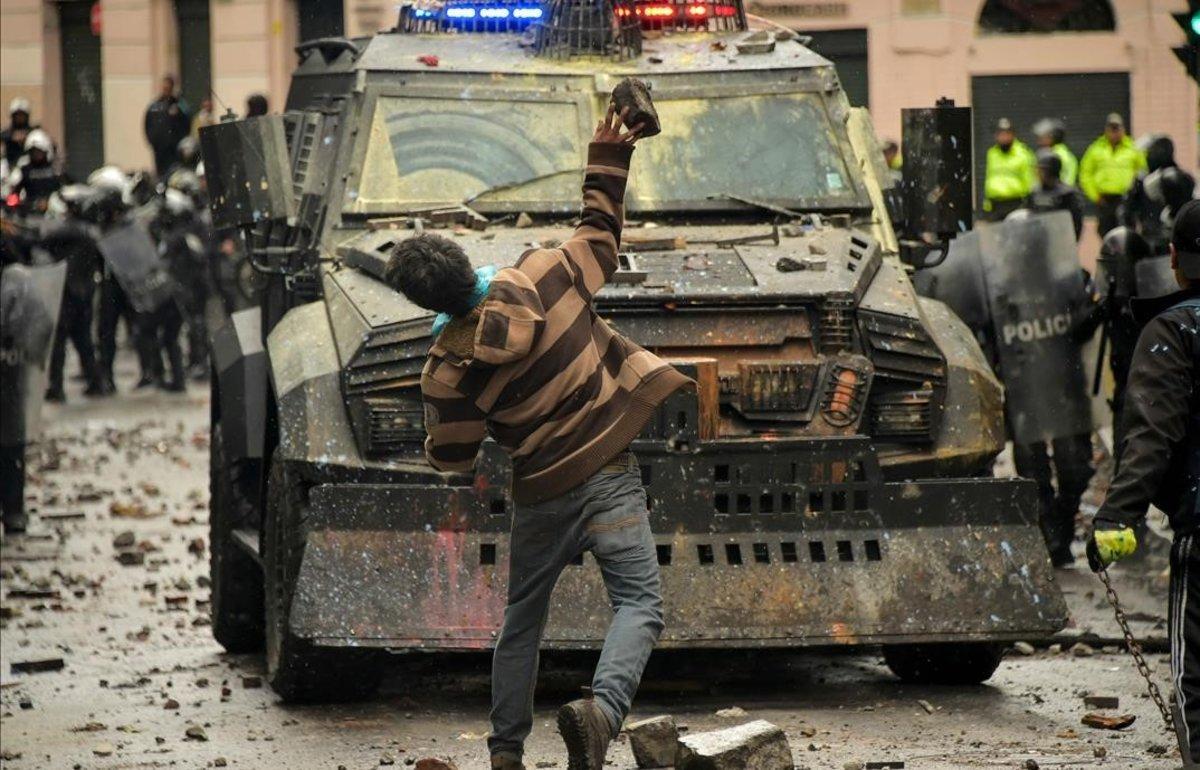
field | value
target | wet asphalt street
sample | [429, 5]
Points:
[143, 685]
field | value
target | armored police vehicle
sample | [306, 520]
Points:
[828, 483]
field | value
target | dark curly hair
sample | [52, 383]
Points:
[433, 272]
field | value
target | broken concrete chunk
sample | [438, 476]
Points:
[634, 94]
[524, 220]
[125, 539]
[1024, 648]
[1103, 722]
[1081, 650]
[734, 712]
[434, 763]
[654, 741]
[757, 745]
[195, 733]
[103, 749]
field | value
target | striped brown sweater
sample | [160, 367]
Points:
[535, 366]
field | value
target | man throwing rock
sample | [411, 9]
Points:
[521, 354]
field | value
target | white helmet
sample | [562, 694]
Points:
[177, 203]
[40, 140]
[19, 105]
[110, 179]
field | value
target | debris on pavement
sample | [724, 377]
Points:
[1104, 722]
[653, 741]
[37, 666]
[1101, 701]
[758, 744]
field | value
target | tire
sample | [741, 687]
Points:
[299, 671]
[237, 580]
[952, 663]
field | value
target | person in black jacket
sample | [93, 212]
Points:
[68, 239]
[166, 124]
[26, 325]
[1160, 464]
[1051, 194]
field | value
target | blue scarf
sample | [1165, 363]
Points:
[483, 282]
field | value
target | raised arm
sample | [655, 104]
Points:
[592, 248]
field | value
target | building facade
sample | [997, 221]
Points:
[89, 68]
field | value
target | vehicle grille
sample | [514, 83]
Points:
[903, 415]
[774, 386]
[387, 425]
[902, 350]
[910, 374]
[836, 330]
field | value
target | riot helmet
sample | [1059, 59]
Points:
[39, 141]
[1159, 150]
[1121, 249]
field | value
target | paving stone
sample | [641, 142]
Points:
[654, 741]
[757, 745]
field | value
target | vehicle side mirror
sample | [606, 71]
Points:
[936, 188]
[247, 171]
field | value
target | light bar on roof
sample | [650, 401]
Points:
[468, 16]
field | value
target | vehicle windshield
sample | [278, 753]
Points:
[507, 155]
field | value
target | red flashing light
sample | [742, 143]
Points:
[12, 201]
[655, 11]
[697, 10]
[726, 10]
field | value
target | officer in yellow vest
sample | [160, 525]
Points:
[1050, 133]
[1108, 169]
[1009, 175]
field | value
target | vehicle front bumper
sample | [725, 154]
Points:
[761, 544]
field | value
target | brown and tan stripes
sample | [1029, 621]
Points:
[537, 368]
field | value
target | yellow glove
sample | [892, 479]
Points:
[1110, 545]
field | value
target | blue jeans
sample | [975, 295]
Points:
[607, 516]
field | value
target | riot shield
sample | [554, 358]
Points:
[958, 282]
[1032, 275]
[1155, 278]
[131, 255]
[31, 299]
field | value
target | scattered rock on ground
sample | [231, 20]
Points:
[654, 741]
[758, 744]
[1105, 722]
[735, 712]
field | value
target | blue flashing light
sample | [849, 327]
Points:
[463, 15]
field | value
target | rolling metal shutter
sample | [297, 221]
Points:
[847, 49]
[83, 102]
[1081, 101]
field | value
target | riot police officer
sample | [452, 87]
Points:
[1155, 195]
[1051, 193]
[106, 210]
[66, 236]
[26, 326]
[35, 178]
[161, 325]
[188, 257]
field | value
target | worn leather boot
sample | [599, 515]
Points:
[586, 732]
[506, 762]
